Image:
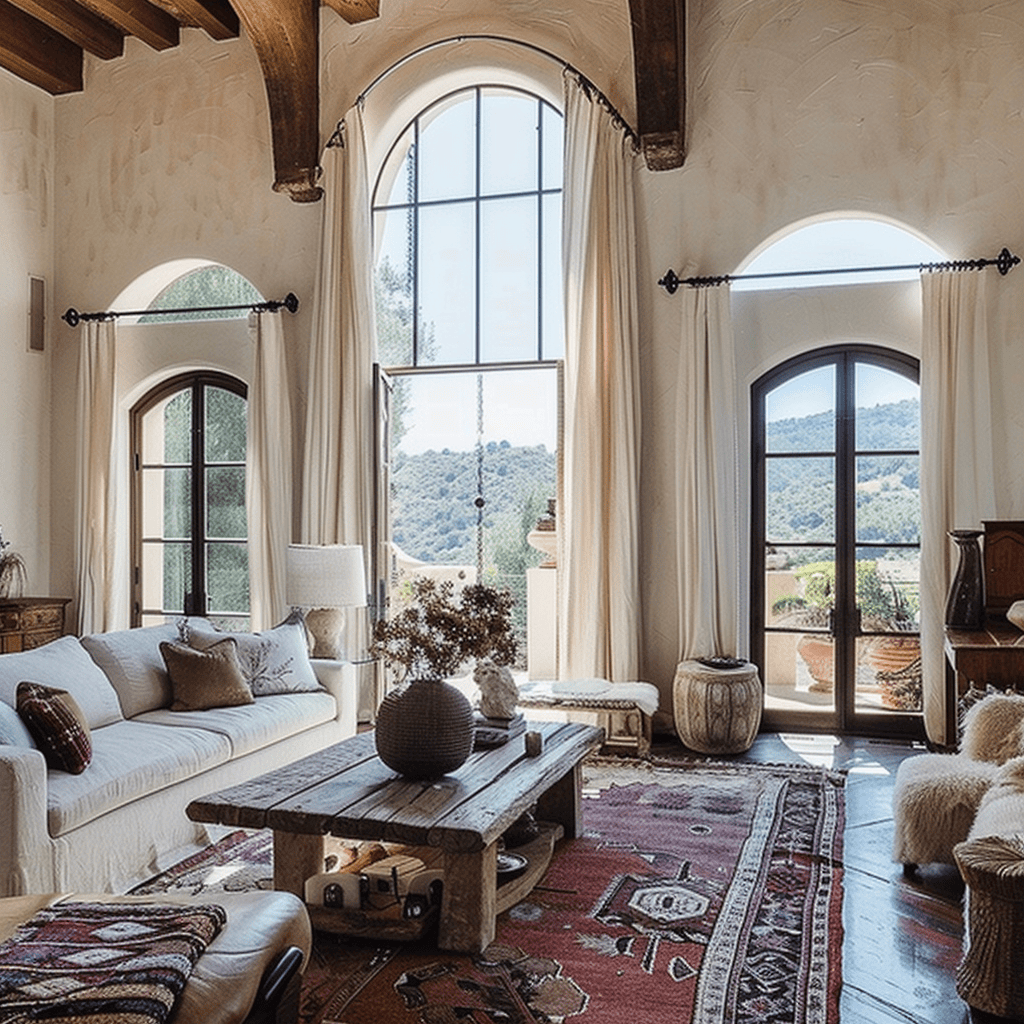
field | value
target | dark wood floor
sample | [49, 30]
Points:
[902, 936]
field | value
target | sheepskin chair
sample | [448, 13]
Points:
[936, 798]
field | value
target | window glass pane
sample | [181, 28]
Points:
[799, 672]
[800, 413]
[447, 150]
[888, 499]
[227, 585]
[889, 673]
[176, 500]
[207, 286]
[177, 427]
[553, 323]
[399, 171]
[447, 262]
[166, 572]
[393, 287]
[508, 280]
[508, 143]
[551, 137]
[800, 499]
[888, 410]
[787, 604]
[225, 426]
[888, 585]
[225, 502]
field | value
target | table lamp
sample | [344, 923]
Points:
[323, 580]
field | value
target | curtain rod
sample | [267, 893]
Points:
[591, 89]
[1005, 261]
[290, 302]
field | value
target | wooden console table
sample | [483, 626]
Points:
[28, 622]
[347, 791]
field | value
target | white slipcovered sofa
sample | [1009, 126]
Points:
[122, 819]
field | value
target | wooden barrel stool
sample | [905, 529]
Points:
[717, 710]
[991, 974]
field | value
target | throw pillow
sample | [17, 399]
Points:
[56, 723]
[274, 661]
[992, 728]
[205, 679]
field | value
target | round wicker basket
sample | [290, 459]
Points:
[424, 729]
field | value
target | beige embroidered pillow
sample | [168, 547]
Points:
[205, 679]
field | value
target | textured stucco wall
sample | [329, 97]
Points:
[796, 108]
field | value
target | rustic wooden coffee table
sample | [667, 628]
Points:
[346, 790]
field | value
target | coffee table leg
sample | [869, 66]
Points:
[469, 900]
[562, 803]
[296, 858]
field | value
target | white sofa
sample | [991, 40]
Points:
[123, 819]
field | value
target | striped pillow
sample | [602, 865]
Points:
[57, 725]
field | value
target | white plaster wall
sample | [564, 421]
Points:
[26, 246]
[912, 111]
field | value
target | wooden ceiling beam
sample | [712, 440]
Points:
[78, 24]
[153, 26]
[659, 60]
[286, 37]
[37, 53]
[217, 18]
[355, 11]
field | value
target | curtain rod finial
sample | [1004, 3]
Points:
[670, 282]
[1006, 261]
[71, 317]
[291, 302]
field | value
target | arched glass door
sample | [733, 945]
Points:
[836, 541]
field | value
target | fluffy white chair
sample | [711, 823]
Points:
[938, 797]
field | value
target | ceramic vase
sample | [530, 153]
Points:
[424, 729]
[965, 604]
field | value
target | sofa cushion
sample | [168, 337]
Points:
[273, 661]
[64, 664]
[13, 731]
[267, 721]
[131, 660]
[205, 679]
[57, 725]
[129, 760]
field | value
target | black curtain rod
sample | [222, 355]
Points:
[1005, 261]
[290, 302]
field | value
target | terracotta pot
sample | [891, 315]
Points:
[819, 654]
[891, 654]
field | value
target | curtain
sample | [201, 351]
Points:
[95, 514]
[956, 458]
[337, 485]
[268, 478]
[707, 516]
[598, 514]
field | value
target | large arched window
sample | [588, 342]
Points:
[189, 548]
[467, 219]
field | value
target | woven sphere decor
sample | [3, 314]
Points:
[424, 729]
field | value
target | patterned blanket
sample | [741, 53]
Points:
[104, 963]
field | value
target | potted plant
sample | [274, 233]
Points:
[425, 726]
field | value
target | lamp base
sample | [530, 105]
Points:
[325, 626]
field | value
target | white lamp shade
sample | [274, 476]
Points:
[325, 576]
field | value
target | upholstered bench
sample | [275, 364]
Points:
[623, 710]
[251, 970]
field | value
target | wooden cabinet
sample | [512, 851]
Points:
[27, 622]
[1004, 565]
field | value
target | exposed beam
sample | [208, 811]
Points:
[659, 59]
[78, 24]
[35, 52]
[354, 11]
[286, 37]
[152, 25]
[217, 18]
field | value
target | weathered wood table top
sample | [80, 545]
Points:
[346, 790]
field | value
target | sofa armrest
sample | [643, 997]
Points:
[26, 856]
[339, 679]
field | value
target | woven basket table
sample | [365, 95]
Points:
[717, 711]
[991, 974]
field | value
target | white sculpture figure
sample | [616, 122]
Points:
[498, 691]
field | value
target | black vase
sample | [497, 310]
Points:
[965, 605]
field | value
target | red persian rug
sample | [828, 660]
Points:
[703, 893]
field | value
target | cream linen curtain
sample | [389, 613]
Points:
[268, 478]
[95, 492]
[598, 571]
[707, 519]
[956, 457]
[337, 485]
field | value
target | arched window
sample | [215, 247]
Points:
[189, 547]
[467, 219]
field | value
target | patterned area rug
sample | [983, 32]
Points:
[699, 893]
